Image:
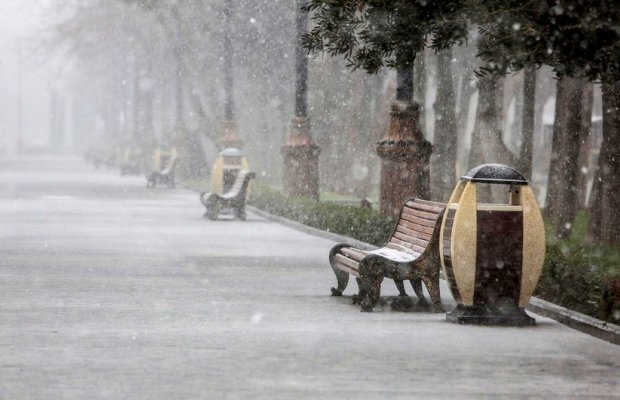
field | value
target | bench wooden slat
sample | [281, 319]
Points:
[413, 236]
[236, 187]
[410, 242]
[348, 270]
[413, 231]
[347, 262]
[405, 244]
[395, 246]
[419, 214]
[426, 231]
[425, 205]
[429, 207]
[355, 254]
[420, 221]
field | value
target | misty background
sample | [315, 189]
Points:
[106, 76]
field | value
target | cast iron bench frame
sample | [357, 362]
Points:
[233, 198]
[412, 253]
[165, 176]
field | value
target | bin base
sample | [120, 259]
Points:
[485, 315]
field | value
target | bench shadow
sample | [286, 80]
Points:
[400, 304]
[404, 304]
[232, 219]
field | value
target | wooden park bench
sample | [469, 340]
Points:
[412, 253]
[165, 176]
[233, 199]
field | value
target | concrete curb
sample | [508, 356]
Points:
[573, 319]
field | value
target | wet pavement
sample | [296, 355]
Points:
[112, 290]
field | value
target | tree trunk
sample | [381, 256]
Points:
[229, 108]
[529, 105]
[300, 152]
[405, 154]
[487, 145]
[586, 142]
[562, 183]
[419, 87]
[443, 161]
[605, 219]
[464, 83]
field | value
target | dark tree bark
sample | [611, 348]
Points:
[228, 63]
[443, 160]
[586, 142]
[404, 85]
[604, 216]
[562, 184]
[529, 112]
[301, 66]
[419, 86]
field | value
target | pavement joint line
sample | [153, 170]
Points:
[594, 327]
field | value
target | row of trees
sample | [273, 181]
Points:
[578, 39]
[155, 71]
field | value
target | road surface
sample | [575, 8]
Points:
[110, 290]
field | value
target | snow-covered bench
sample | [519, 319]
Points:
[233, 199]
[412, 253]
[165, 176]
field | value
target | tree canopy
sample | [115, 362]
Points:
[371, 34]
[575, 37]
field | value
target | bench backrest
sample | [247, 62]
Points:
[418, 224]
[241, 184]
[170, 166]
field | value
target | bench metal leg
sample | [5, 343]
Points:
[213, 210]
[429, 272]
[240, 212]
[416, 284]
[343, 280]
[151, 180]
[371, 276]
[341, 277]
[432, 285]
[357, 298]
[400, 285]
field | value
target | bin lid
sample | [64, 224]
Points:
[231, 152]
[495, 173]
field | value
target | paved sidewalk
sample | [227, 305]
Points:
[110, 290]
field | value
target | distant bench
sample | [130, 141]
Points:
[412, 253]
[233, 198]
[165, 176]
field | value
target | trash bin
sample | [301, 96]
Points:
[162, 157]
[227, 165]
[492, 254]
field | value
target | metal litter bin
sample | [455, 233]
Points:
[492, 254]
